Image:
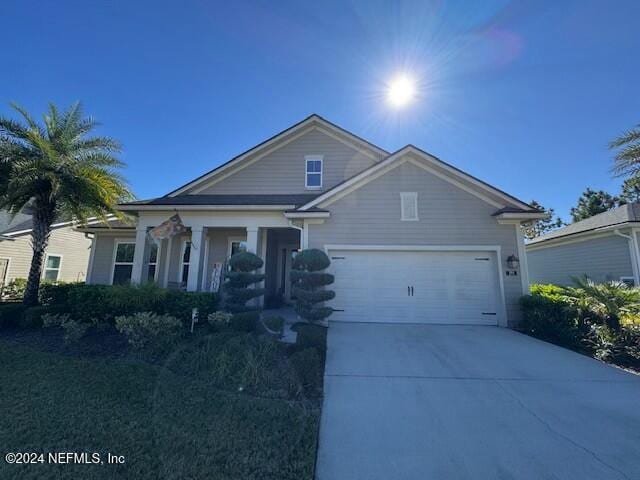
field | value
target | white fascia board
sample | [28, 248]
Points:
[90, 221]
[172, 208]
[307, 215]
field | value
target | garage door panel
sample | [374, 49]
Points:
[448, 287]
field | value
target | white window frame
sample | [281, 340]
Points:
[313, 158]
[409, 197]
[627, 278]
[231, 240]
[155, 273]
[116, 242]
[183, 247]
[44, 269]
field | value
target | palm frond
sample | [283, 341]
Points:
[627, 137]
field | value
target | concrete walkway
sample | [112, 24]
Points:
[460, 402]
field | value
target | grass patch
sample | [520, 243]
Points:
[166, 425]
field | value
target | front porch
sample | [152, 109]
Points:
[195, 260]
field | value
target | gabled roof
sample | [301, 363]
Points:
[310, 120]
[275, 200]
[620, 216]
[511, 201]
[27, 225]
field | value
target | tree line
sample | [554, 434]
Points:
[592, 202]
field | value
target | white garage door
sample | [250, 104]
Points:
[415, 286]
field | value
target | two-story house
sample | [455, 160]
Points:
[410, 237]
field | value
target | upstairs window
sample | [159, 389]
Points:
[313, 171]
[409, 206]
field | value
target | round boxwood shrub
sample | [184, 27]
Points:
[309, 284]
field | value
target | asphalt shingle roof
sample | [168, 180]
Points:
[616, 216]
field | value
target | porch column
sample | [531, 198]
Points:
[138, 255]
[252, 240]
[196, 259]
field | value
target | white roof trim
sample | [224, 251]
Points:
[520, 216]
[205, 207]
[307, 214]
[386, 165]
[297, 130]
[578, 236]
[90, 221]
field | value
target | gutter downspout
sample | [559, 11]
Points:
[635, 254]
[301, 230]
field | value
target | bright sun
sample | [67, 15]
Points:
[401, 91]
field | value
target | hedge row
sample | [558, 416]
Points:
[105, 302]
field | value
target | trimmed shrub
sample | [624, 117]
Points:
[149, 331]
[551, 320]
[308, 285]
[104, 302]
[14, 290]
[74, 330]
[32, 317]
[11, 314]
[308, 367]
[274, 324]
[56, 293]
[311, 336]
[238, 289]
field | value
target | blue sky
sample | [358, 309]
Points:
[525, 95]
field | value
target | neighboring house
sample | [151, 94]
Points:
[410, 237]
[603, 247]
[66, 258]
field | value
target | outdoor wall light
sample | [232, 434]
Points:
[513, 262]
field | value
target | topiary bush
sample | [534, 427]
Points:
[239, 290]
[56, 293]
[308, 285]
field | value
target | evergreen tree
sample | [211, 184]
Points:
[239, 290]
[535, 228]
[592, 203]
[308, 285]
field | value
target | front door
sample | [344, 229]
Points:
[286, 255]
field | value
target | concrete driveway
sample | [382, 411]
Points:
[460, 402]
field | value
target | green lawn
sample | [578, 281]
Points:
[166, 425]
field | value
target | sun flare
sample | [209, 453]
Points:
[401, 91]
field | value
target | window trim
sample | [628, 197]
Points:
[116, 242]
[230, 241]
[627, 278]
[313, 158]
[155, 272]
[409, 196]
[183, 247]
[44, 267]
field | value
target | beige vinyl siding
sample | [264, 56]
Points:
[72, 246]
[602, 259]
[283, 171]
[447, 215]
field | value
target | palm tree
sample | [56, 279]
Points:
[611, 300]
[627, 160]
[55, 170]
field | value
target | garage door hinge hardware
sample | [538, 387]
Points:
[337, 258]
[485, 259]
[489, 313]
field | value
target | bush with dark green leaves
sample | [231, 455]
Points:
[240, 288]
[11, 314]
[105, 302]
[56, 293]
[308, 367]
[308, 285]
[309, 335]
